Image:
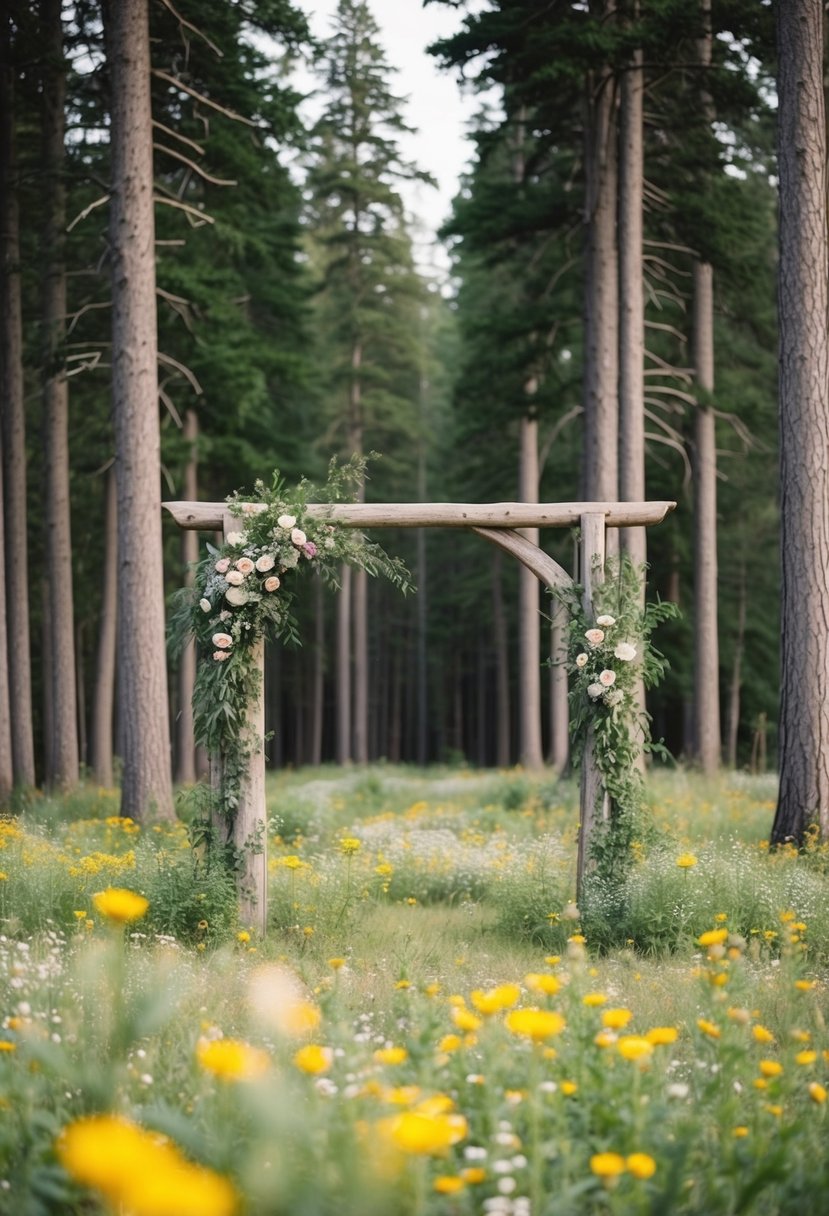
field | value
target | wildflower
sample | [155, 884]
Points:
[552, 960]
[313, 1059]
[139, 1171]
[770, 1068]
[739, 1133]
[448, 1184]
[120, 905]
[741, 1016]
[349, 845]
[607, 1166]
[540, 982]
[616, 1019]
[80, 914]
[450, 1042]
[465, 1019]
[634, 1047]
[713, 937]
[473, 1174]
[774, 1109]
[231, 1059]
[421, 1133]
[494, 1000]
[660, 1036]
[402, 985]
[594, 999]
[817, 1092]
[805, 1057]
[243, 936]
[805, 985]
[686, 861]
[709, 1028]
[7, 1046]
[641, 1165]
[605, 1038]
[336, 963]
[568, 1088]
[391, 1055]
[535, 1024]
[761, 1034]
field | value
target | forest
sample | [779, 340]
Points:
[608, 331]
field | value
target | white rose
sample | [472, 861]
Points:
[581, 660]
[235, 578]
[236, 596]
[244, 565]
[594, 691]
[222, 640]
[298, 536]
[625, 652]
[265, 562]
[271, 583]
[235, 538]
[286, 521]
[607, 678]
[606, 622]
[205, 605]
[595, 636]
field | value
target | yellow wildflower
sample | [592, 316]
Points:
[231, 1059]
[641, 1165]
[634, 1047]
[709, 1028]
[448, 1184]
[713, 937]
[314, 1059]
[817, 1093]
[535, 1024]
[119, 905]
[391, 1055]
[607, 1165]
[660, 1036]
[465, 1019]
[594, 999]
[495, 1000]
[423, 1134]
[349, 845]
[761, 1034]
[770, 1068]
[616, 1019]
[805, 1057]
[686, 861]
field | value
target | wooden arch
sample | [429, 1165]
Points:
[496, 522]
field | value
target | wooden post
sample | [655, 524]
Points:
[594, 802]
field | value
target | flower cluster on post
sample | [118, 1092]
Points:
[243, 592]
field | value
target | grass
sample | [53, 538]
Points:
[364, 1057]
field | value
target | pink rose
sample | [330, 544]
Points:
[309, 549]
[235, 578]
[298, 537]
[595, 636]
[222, 565]
[220, 655]
[244, 565]
[265, 562]
[271, 583]
[607, 678]
[222, 640]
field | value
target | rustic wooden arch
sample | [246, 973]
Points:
[496, 522]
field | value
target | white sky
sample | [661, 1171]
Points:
[437, 106]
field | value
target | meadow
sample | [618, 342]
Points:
[431, 1025]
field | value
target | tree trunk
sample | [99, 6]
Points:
[16, 582]
[359, 581]
[102, 708]
[318, 680]
[601, 326]
[529, 637]
[707, 742]
[60, 688]
[804, 425]
[142, 683]
[736, 670]
[344, 668]
[559, 705]
[185, 736]
[502, 699]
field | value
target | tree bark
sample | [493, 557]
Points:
[559, 705]
[14, 434]
[601, 323]
[102, 708]
[185, 735]
[529, 637]
[804, 425]
[736, 670]
[142, 682]
[344, 668]
[318, 679]
[60, 686]
[502, 697]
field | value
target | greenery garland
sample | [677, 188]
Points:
[243, 592]
[607, 654]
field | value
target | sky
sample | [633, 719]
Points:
[436, 105]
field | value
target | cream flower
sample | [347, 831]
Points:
[594, 691]
[222, 565]
[220, 655]
[286, 521]
[607, 678]
[236, 596]
[235, 578]
[595, 636]
[271, 583]
[222, 640]
[625, 651]
[298, 536]
[581, 660]
[606, 622]
[235, 538]
[265, 562]
[244, 565]
[205, 605]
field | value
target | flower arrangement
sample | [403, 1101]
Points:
[243, 592]
[608, 655]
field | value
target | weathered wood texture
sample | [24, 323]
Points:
[208, 515]
[594, 801]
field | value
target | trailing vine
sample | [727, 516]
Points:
[607, 654]
[243, 592]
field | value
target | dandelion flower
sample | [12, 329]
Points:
[805, 1057]
[641, 1165]
[119, 905]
